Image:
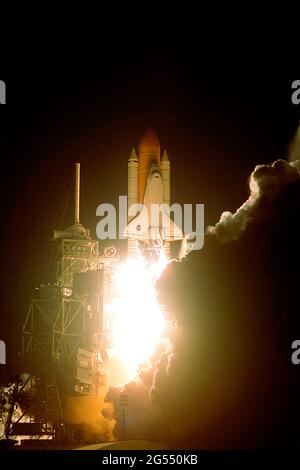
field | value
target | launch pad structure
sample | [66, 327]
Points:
[65, 333]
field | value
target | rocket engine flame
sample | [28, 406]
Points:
[139, 322]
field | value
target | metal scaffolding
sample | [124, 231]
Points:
[63, 329]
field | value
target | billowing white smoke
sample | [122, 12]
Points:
[265, 182]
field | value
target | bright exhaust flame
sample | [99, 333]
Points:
[139, 321]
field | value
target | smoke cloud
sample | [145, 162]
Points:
[93, 416]
[266, 184]
[237, 304]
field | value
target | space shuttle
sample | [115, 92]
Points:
[150, 230]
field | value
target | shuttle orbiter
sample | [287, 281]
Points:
[149, 184]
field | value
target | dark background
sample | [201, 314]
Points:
[216, 127]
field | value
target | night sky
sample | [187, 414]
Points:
[215, 129]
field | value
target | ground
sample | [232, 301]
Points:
[127, 445]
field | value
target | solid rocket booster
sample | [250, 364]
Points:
[165, 173]
[132, 196]
[149, 183]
